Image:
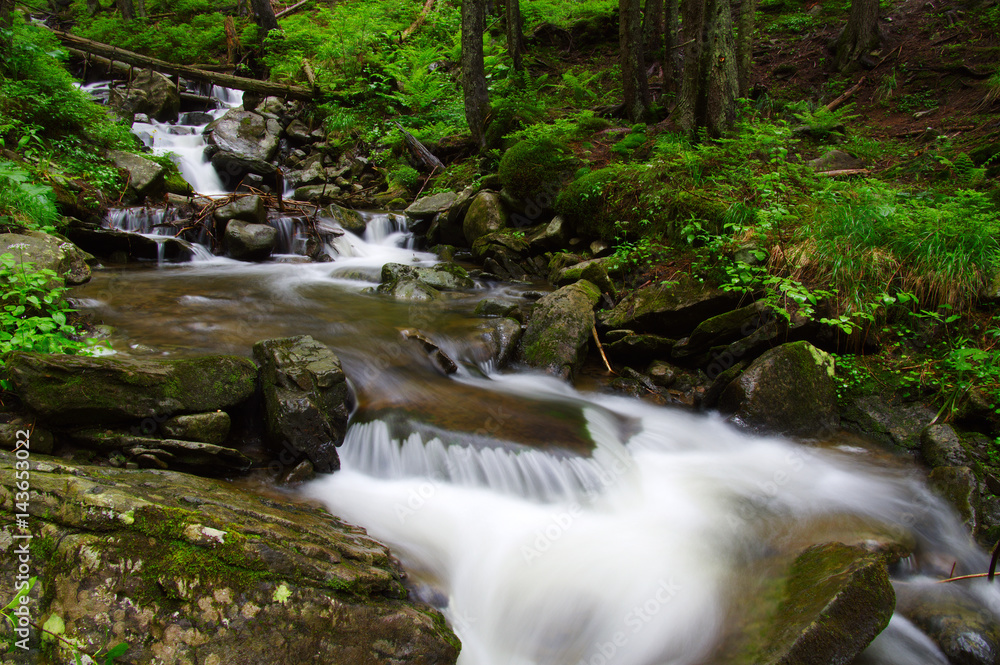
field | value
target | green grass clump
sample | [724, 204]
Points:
[944, 250]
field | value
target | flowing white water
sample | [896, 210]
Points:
[626, 556]
[186, 140]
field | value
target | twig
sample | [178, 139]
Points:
[426, 180]
[600, 348]
[286, 12]
[847, 95]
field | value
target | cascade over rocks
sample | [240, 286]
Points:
[188, 569]
[78, 390]
[47, 252]
[307, 400]
[121, 246]
[555, 339]
[788, 390]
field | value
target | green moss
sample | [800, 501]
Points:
[533, 168]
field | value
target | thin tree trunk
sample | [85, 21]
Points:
[264, 12]
[709, 89]
[126, 8]
[6, 21]
[652, 30]
[140, 8]
[515, 34]
[476, 93]
[636, 87]
[744, 44]
[860, 35]
[672, 43]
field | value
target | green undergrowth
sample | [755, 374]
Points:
[56, 129]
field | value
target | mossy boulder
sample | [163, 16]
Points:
[833, 601]
[78, 390]
[306, 399]
[556, 337]
[485, 215]
[47, 252]
[629, 346]
[788, 390]
[671, 309]
[150, 93]
[723, 329]
[532, 172]
[940, 445]
[245, 134]
[145, 177]
[187, 569]
[345, 218]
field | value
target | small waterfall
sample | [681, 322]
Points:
[146, 221]
[542, 568]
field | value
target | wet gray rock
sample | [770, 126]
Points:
[941, 446]
[48, 252]
[429, 206]
[629, 346]
[673, 309]
[79, 390]
[550, 237]
[492, 306]
[502, 336]
[203, 427]
[965, 630]
[321, 194]
[557, 334]
[892, 423]
[723, 329]
[250, 209]
[958, 486]
[149, 93]
[165, 453]
[307, 400]
[788, 390]
[250, 242]
[345, 218]
[145, 177]
[248, 135]
[234, 168]
[193, 570]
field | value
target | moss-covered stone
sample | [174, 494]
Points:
[210, 427]
[187, 569]
[555, 339]
[47, 252]
[833, 601]
[485, 215]
[788, 390]
[532, 171]
[396, 277]
[78, 390]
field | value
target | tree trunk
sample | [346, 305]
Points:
[6, 21]
[477, 95]
[515, 33]
[709, 88]
[672, 43]
[636, 87]
[860, 35]
[264, 12]
[744, 44]
[126, 8]
[652, 30]
[140, 8]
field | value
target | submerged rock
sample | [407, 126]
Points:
[307, 400]
[149, 93]
[555, 339]
[788, 390]
[965, 630]
[78, 390]
[191, 570]
[420, 283]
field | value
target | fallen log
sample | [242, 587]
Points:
[224, 80]
[840, 172]
[420, 151]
